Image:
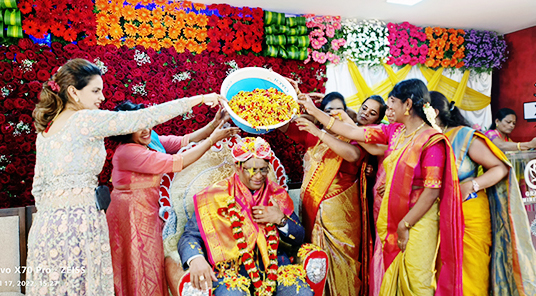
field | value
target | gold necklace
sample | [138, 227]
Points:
[445, 129]
[403, 135]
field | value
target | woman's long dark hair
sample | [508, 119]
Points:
[500, 115]
[126, 106]
[383, 106]
[330, 97]
[415, 90]
[448, 113]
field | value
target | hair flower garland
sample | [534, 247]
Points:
[366, 41]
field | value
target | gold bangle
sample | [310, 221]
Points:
[202, 99]
[212, 125]
[322, 133]
[211, 142]
[406, 224]
[330, 124]
[519, 146]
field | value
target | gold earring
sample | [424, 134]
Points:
[407, 112]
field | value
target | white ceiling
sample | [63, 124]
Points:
[503, 16]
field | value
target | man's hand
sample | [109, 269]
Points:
[268, 214]
[201, 274]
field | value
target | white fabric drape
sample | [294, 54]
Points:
[339, 80]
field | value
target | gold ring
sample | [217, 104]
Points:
[201, 277]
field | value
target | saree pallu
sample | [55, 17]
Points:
[413, 273]
[377, 268]
[335, 217]
[512, 268]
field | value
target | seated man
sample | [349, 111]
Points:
[237, 225]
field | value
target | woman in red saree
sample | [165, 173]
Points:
[334, 209]
[421, 186]
[134, 225]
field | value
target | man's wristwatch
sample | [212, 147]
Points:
[283, 222]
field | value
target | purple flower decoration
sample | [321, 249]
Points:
[485, 50]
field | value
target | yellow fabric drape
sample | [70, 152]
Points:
[466, 98]
[382, 89]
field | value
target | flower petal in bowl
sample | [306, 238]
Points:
[249, 79]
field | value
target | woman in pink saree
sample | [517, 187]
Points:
[134, 225]
[422, 196]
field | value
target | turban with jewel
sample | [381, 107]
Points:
[251, 147]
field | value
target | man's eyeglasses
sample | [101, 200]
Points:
[253, 171]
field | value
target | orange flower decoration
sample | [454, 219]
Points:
[445, 63]
[180, 14]
[116, 31]
[130, 42]
[169, 21]
[129, 13]
[180, 45]
[115, 42]
[154, 43]
[114, 19]
[160, 2]
[201, 35]
[191, 19]
[166, 43]
[199, 6]
[133, 2]
[189, 32]
[159, 31]
[174, 33]
[145, 2]
[144, 15]
[102, 18]
[460, 64]
[186, 4]
[202, 20]
[158, 14]
[102, 31]
[100, 4]
[191, 45]
[143, 42]
[144, 30]
[130, 29]
[429, 63]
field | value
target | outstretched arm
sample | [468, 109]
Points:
[350, 131]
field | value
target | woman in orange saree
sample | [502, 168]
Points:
[333, 203]
[135, 228]
[495, 222]
[421, 186]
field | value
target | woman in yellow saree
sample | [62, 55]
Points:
[496, 225]
[333, 208]
[421, 185]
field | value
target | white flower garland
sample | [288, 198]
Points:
[366, 41]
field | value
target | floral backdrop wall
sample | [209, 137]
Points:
[139, 74]
[153, 51]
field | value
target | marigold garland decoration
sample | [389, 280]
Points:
[268, 286]
[156, 26]
[446, 47]
[264, 107]
[64, 19]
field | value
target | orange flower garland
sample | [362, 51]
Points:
[165, 26]
[446, 47]
[267, 287]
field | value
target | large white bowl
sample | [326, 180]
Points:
[249, 79]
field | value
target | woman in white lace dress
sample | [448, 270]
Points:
[68, 244]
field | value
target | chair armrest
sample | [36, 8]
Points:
[315, 263]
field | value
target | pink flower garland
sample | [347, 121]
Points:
[323, 38]
[408, 44]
